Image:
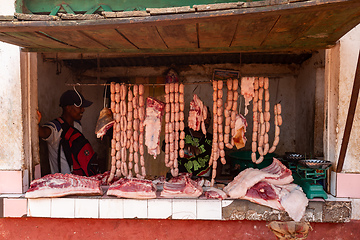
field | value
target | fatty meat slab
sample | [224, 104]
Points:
[152, 123]
[271, 187]
[275, 173]
[289, 198]
[181, 186]
[59, 185]
[133, 188]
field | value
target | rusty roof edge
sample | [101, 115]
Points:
[171, 18]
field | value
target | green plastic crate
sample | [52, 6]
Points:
[241, 160]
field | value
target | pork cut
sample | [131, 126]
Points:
[240, 130]
[103, 178]
[197, 114]
[247, 90]
[289, 198]
[133, 188]
[270, 186]
[181, 186]
[58, 185]
[152, 123]
[215, 193]
[275, 173]
[104, 122]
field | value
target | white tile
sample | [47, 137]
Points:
[355, 213]
[39, 207]
[159, 208]
[225, 203]
[111, 208]
[86, 208]
[333, 183]
[208, 209]
[63, 207]
[134, 208]
[184, 209]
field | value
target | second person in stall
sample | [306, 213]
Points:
[69, 150]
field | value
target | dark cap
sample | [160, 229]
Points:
[71, 97]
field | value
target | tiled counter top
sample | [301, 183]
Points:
[105, 207]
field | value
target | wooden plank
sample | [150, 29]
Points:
[253, 31]
[171, 10]
[33, 17]
[125, 14]
[75, 38]
[349, 118]
[7, 18]
[16, 41]
[327, 23]
[179, 36]
[67, 16]
[216, 6]
[110, 38]
[39, 39]
[216, 34]
[289, 27]
[144, 37]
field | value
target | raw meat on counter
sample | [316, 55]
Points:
[289, 197]
[215, 193]
[271, 187]
[59, 185]
[104, 122]
[133, 188]
[152, 123]
[104, 177]
[197, 114]
[181, 186]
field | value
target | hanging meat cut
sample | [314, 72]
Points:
[247, 90]
[270, 186]
[104, 122]
[133, 188]
[59, 185]
[181, 186]
[152, 123]
[240, 130]
[197, 114]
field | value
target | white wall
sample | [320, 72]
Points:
[11, 139]
[349, 52]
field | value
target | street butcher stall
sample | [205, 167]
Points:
[230, 111]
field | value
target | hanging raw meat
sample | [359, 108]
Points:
[152, 124]
[247, 90]
[240, 130]
[197, 115]
[104, 122]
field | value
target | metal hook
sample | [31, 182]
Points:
[78, 95]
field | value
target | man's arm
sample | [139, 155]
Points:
[44, 132]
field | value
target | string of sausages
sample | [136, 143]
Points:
[128, 111]
[261, 120]
[174, 122]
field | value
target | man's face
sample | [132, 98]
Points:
[76, 112]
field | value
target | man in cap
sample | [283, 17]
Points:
[73, 106]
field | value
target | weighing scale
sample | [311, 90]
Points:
[308, 179]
